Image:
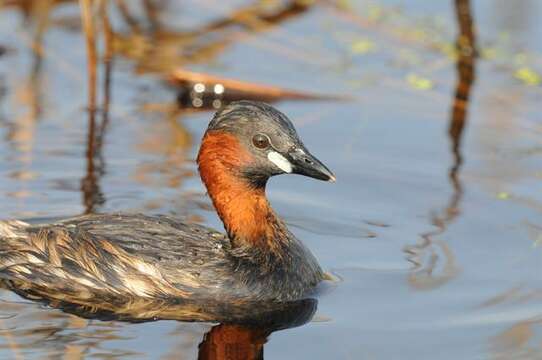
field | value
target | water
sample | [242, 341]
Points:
[431, 265]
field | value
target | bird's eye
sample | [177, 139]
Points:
[260, 141]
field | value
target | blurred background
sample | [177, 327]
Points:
[427, 112]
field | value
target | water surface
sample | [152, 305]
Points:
[438, 252]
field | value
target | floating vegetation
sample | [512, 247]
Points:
[418, 82]
[363, 46]
[528, 76]
[503, 195]
[204, 91]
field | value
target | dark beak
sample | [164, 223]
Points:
[306, 164]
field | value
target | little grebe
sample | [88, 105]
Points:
[116, 259]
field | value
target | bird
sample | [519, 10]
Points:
[113, 261]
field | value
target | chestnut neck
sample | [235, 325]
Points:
[241, 205]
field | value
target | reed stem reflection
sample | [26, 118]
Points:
[466, 49]
[430, 248]
[95, 162]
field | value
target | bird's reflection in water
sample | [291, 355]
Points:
[246, 341]
[233, 342]
[242, 331]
